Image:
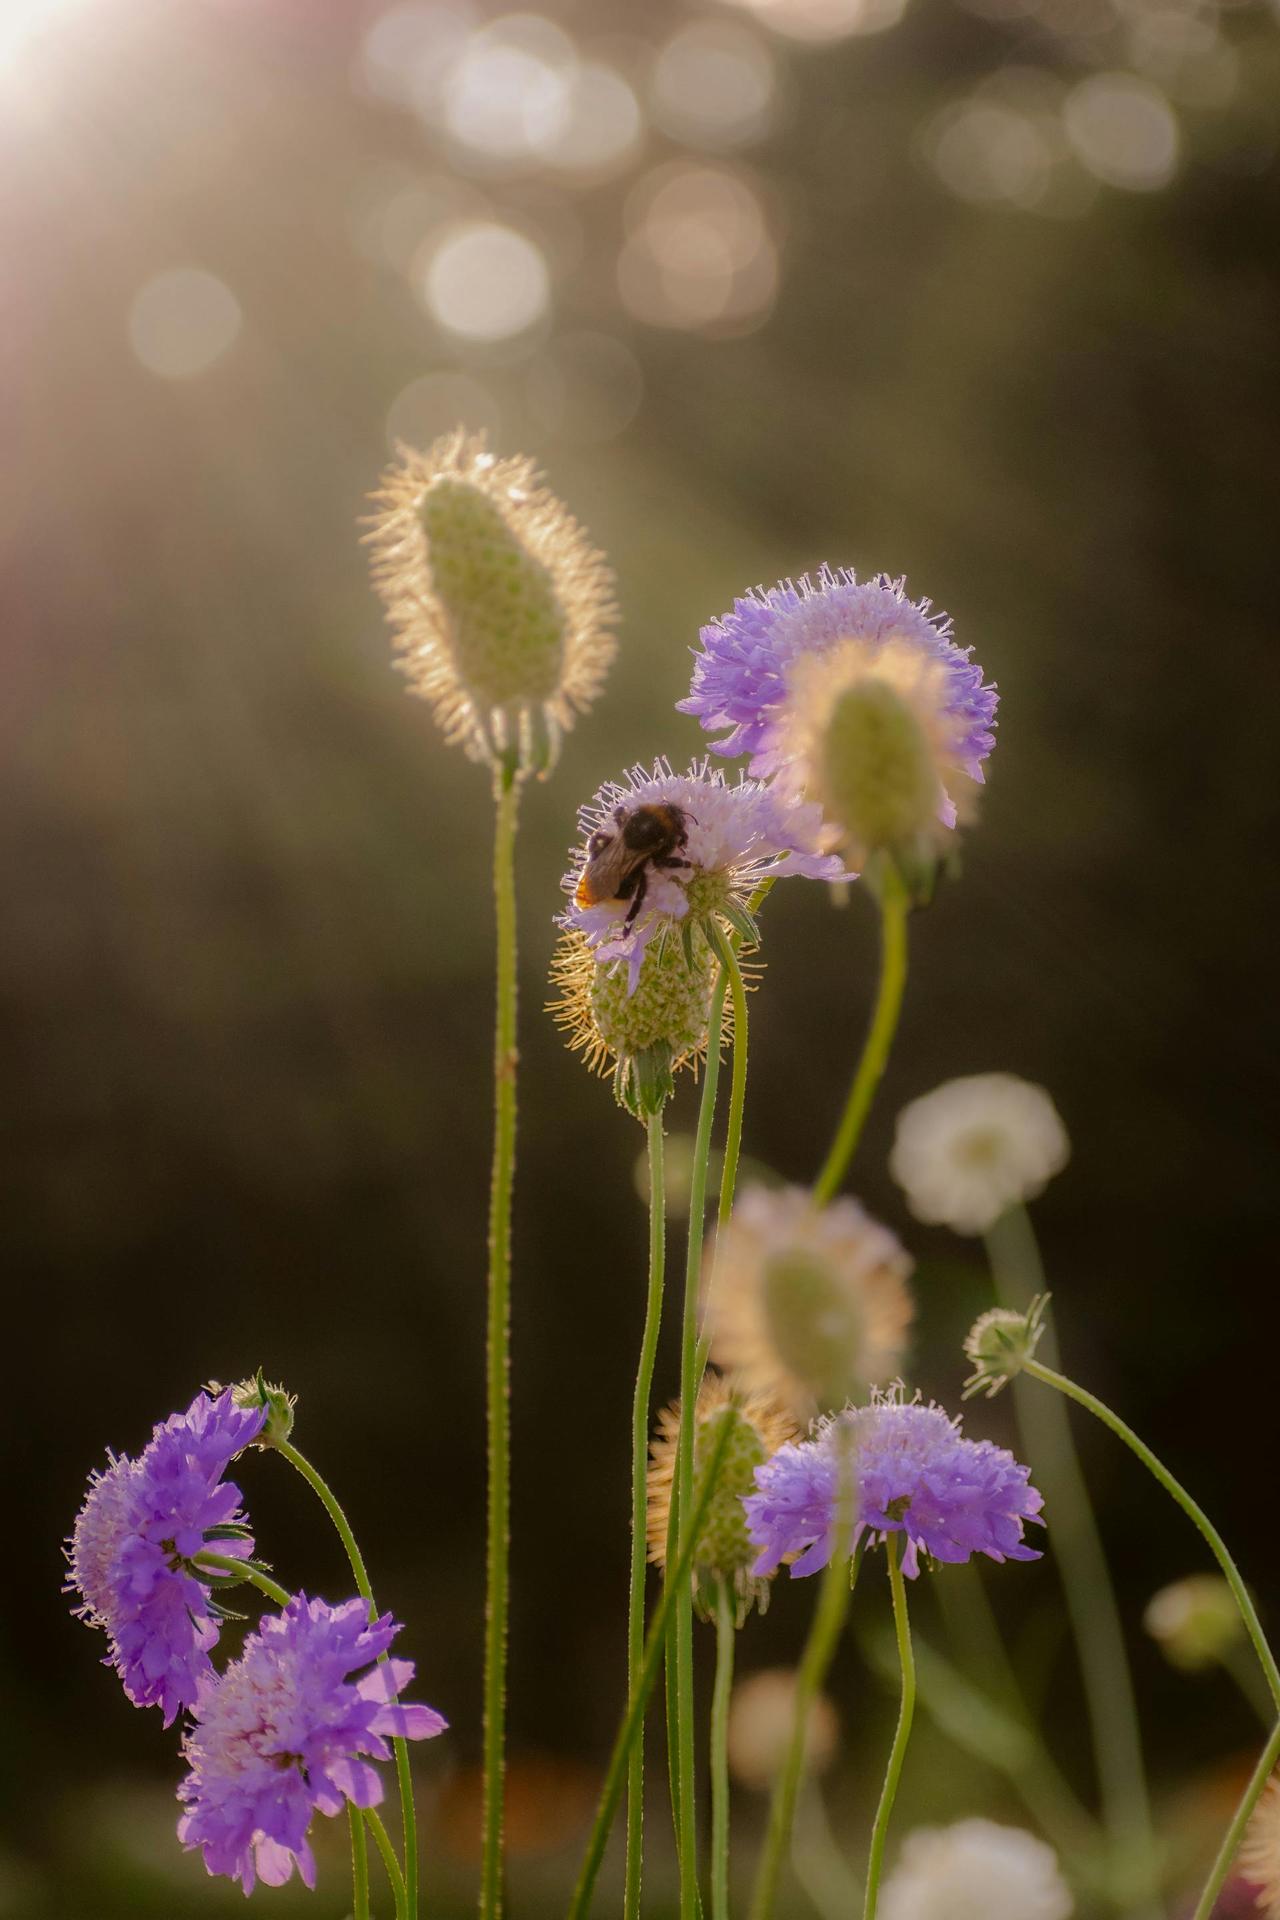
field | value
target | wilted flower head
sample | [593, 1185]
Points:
[1195, 1620]
[913, 1473]
[809, 1303]
[500, 605]
[1259, 1856]
[286, 1732]
[999, 1344]
[853, 695]
[761, 1713]
[975, 1870]
[132, 1553]
[723, 1551]
[974, 1147]
[727, 840]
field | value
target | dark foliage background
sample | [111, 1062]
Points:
[245, 940]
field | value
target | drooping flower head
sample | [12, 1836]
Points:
[849, 693]
[725, 840]
[133, 1549]
[723, 1551]
[975, 1870]
[974, 1147]
[500, 604]
[912, 1473]
[999, 1344]
[809, 1303]
[1259, 1856]
[761, 1716]
[287, 1732]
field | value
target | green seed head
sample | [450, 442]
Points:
[878, 776]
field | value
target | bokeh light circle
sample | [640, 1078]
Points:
[182, 321]
[1123, 130]
[713, 85]
[486, 282]
[435, 403]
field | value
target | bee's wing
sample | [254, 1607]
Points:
[605, 873]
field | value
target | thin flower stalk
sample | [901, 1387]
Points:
[382, 1840]
[639, 1447]
[1248, 1612]
[1267, 1763]
[633, 1719]
[895, 905]
[404, 1775]
[726, 1634]
[243, 1570]
[359, 1864]
[902, 1734]
[1085, 1573]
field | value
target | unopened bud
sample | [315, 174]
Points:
[1000, 1343]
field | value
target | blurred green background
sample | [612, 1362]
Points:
[986, 294]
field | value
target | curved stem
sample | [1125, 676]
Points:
[404, 1777]
[359, 1864]
[1248, 1612]
[633, 1719]
[682, 1760]
[223, 1563]
[829, 1616]
[726, 1633]
[898, 1751]
[1235, 1832]
[1085, 1574]
[895, 905]
[383, 1842]
[498, 1344]
[639, 1457]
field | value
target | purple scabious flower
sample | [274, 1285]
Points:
[737, 836]
[740, 679]
[133, 1549]
[913, 1473]
[286, 1732]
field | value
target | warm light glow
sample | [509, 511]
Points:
[604, 126]
[23, 23]
[510, 93]
[182, 322]
[586, 387]
[486, 282]
[826, 19]
[699, 252]
[1124, 131]
[435, 403]
[713, 85]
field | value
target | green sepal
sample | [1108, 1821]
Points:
[742, 923]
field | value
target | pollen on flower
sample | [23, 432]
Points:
[724, 1551]
[500, 605]
[810, 1304]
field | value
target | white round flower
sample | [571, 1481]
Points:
[975, 1870]
[973, 1147]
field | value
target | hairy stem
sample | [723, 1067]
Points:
[726, 1633]
[898, 1751]
[359, 1863]
[895, 905]
[383, 1842]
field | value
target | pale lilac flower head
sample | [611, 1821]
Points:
[133, 1549]
[287, 1732]
[740, 679]
[913, 1473]
[739, 835]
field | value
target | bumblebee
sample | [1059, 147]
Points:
[618, 859]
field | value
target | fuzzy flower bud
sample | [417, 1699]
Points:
[724, 1551]
[1000, 1343]
[280, 1407]
[642, 1034]
[500, 605]
[809, 1304]
[1195, 1621]
[761, 1712]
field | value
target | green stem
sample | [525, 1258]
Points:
[1248, 1612]
[898, 1751]
[728, 958]
[404, 1777]
[223, 1563]
[383, 1841]
[633, 1719]
[1085, 1574]
[895, 905]
[683, 1759]
[498, 1345]
[828, 1618]
[359, 1863]
[726, 1633]
[1235, 1832]
[639, 1458]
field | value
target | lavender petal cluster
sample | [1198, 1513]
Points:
[133, 1549]
[740, 676]
[287, 1732]
[913, 1473]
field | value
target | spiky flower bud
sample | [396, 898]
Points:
[279, 1403]
[642, 1035]
[724, 1551]
[1195, 1621]
[809, 1303]
[501, 607]
[999, 1344]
